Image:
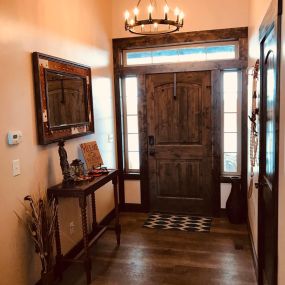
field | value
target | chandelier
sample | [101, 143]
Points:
[151, 25]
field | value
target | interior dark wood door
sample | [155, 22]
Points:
[268, 180]
[180, 141]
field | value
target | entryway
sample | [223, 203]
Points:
[180, 142]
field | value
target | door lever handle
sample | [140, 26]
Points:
[152, 152]
[259, 185]
[151, 140]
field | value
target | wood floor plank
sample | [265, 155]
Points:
[167, 257]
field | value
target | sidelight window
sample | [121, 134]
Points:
[131, 133]
[231, 122]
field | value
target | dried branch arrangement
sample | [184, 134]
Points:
[40, 222]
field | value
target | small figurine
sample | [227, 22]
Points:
[65, 168]
[77, 167]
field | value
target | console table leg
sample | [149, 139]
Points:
[58, 246]
[87, 261]
[94, 223]
[117, 222]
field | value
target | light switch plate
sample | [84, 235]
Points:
[110, 138]
[16, 167]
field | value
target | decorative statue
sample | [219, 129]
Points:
[65, 168]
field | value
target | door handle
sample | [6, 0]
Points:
[151, 144]
[259, 185]
[151, 140]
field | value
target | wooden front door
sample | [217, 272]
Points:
[268, 177]
[180, 142]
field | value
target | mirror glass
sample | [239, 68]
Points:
[66, 99]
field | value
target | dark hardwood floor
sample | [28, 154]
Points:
[149, 257]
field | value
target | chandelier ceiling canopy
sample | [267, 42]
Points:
[145, 22]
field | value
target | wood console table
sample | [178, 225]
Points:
[81, 192]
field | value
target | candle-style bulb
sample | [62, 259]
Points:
[127, 15]
[166, 10]
[136, 11]
[150, 9]
[176, 11]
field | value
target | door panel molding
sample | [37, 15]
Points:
[181, 170]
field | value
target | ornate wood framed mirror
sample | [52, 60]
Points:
[63, 94]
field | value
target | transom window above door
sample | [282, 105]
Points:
[182, 53]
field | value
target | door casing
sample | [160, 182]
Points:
[121, 71]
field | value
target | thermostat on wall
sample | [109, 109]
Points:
[14, 137]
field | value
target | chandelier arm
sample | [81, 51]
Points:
[139, 3]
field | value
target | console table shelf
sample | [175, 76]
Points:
[81, 192]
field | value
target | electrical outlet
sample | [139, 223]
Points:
[71, 228]
[110, 138]
[16, 167]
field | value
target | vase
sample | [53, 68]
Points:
[47, 278]
[235, 206]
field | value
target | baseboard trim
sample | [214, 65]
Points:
[74, 251]
[131, 207]
[253, 251]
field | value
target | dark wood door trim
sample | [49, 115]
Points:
[244, 139]
[216, 138]
[142, 118]
[232, 34]
[271, 19]
[184, 67]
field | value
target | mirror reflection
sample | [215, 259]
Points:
[66, 99]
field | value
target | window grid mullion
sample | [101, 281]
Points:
[238, 125]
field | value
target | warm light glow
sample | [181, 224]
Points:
[136, 11]
[166, 9]
[127, 15]
[160, 25]
[176, 11]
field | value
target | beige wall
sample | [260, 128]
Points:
[132, 191]
[199, 15]
[77, 30]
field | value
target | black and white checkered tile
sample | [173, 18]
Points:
[178, 222]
